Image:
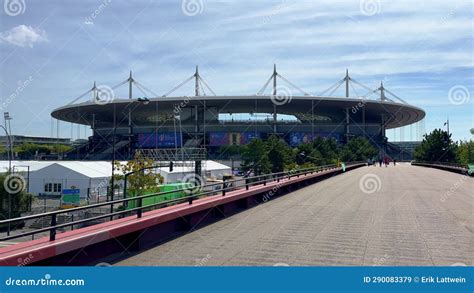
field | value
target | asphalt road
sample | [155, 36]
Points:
[372, 216]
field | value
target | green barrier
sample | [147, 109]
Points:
[164, 197]
[470, 169]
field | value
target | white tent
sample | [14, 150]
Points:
[210, 169]
[51, 177]
[92, 177]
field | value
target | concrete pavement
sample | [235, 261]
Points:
[399, 215]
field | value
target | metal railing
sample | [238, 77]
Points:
[453, 167]
[224, 186]
[170, 154]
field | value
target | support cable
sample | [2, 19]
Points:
[81, 96]
[179, 85]
[338, 84]
[208, 87]
[262, 90]
[138, 84]
[293, 85]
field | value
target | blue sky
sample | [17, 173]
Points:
[51, 52]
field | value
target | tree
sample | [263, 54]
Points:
[436, 146]
[357, 149]
[304, 153]
[142, 177]
[29, 150]
[465, 152]
[255, 157]
[13, 185]
[230, 151]
[279, 153]
[327, 149]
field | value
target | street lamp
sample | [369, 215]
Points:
[8, 118]
[9, 171]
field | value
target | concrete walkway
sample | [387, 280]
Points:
[400, 215]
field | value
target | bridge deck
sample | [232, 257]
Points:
[420, 216]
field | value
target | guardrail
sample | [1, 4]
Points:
[452, 167]
[225, 186]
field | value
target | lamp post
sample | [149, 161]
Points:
[447, 126]
[9, 170]
[8, 118]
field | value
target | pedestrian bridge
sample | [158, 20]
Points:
[369, 215]
[396, 215]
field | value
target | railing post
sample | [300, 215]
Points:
[223, 186]
[139, 211]
[190, 200]
[246, 184]
[264, 180]
[52, 232]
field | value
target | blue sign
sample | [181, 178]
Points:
[71, 191]
[159, 140]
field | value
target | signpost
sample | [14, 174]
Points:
[71, 198]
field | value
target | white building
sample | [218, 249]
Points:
[93, 177]
[51, 177]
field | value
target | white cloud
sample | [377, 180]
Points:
[23, 36]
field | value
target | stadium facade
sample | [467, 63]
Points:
[167, 123]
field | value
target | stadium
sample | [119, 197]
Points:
[195, 127]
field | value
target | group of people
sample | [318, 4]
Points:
[382, 160]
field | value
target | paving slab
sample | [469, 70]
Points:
[372, 216]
